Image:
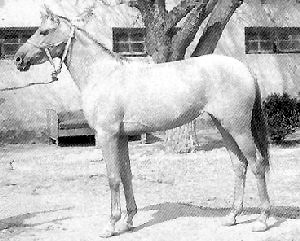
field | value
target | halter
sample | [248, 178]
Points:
[46, 47]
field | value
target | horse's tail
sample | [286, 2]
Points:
[259, 129]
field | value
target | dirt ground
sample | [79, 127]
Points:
[61, 193]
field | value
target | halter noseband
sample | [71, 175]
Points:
[56, 70]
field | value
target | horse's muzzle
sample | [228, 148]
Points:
[21, 62]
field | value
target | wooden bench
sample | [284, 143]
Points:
[72, 124]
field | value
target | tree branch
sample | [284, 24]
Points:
[215, 26]
[161, 6]
[191, 26]
[143, 6]
[180, 11]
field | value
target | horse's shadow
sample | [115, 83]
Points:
[169, 211]
[19, 221]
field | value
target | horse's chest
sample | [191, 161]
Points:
[102, 107]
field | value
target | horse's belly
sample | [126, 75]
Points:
[163, 117]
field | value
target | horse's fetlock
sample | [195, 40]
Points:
[238, 209]
[115, 216]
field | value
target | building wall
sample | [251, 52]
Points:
[23, 110]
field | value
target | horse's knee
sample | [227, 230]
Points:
[240, 169]
[114, 183]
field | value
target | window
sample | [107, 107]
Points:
[272, 40]
[129, 41]
[12, 38]
[288, 40]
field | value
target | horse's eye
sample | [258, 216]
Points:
[44, 32]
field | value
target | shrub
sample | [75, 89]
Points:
[282, 115]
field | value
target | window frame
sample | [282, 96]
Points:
[19, 32]
[130, 41]
[275, 39]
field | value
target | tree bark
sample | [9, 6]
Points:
[190, 27]
[220, 16]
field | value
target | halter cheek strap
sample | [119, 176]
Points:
[57, 70]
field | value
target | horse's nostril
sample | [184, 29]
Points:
[18, 59]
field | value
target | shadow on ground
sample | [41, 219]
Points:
[170, 211]
[19, 221]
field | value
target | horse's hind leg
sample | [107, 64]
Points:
[259, 171]
[126, 178]
[248, 148]
[239, 164]
[241, 144]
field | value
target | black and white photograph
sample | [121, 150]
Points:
[150, 120]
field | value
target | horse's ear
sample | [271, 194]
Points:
[48, 13]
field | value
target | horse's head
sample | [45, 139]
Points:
[49, 39]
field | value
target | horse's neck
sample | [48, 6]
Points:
[83, 56]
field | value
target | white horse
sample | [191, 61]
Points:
[121, 98]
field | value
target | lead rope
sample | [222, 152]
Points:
[56, 71]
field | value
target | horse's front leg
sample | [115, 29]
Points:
[126, 178]
[111, 155]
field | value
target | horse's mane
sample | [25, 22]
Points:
[86, 16]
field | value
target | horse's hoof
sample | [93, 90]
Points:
[124, 227]
[259, 226]
[229, 221]
[108, 232]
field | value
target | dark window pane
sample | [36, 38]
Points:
[25, 37]
[267, 46]
[10, 49]
[293, 31]
[284, 36]
[252, 47]
[137, 47]
[121, 37]
[296, 45]
[265, 35]
[121, 47]
[282, 46]
[288, 46]
[138, 36]
[252, 35]
[11, 38]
